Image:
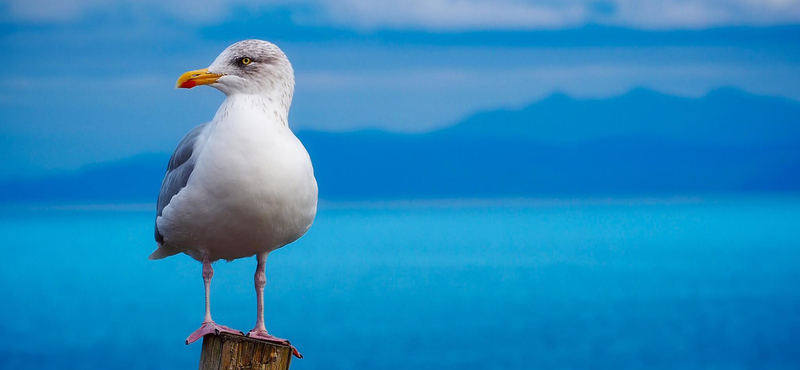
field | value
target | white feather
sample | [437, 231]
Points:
[252, 189]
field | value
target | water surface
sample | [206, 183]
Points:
[691, 284]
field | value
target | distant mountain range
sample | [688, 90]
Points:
[640, 143]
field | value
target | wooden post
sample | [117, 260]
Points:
[236, 352]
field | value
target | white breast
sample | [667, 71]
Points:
[252, 189]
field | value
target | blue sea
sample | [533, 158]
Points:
[672, 283]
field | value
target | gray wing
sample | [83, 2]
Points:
[180, 166]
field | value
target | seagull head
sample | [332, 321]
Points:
[246, 67]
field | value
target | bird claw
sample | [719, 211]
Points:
[209, 328]
[262, 334]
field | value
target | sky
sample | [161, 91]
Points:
[89, 81]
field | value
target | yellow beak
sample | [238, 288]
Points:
[191, 79]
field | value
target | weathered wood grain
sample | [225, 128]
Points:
[235, 352]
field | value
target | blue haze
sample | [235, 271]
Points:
[640, 143]
[105, 90]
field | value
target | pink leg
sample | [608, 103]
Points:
[260, 331]
[208, 326]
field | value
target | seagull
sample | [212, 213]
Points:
[241, 185]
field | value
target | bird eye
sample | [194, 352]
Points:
[245, 61]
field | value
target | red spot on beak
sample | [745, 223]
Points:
[188, 84]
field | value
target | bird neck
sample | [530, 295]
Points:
[267, 107]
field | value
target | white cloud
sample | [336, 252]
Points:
[654, 14]
[44, 10]
[441, 15]
[454, 14]
[191, 11]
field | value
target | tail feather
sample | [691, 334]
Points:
[163, 252]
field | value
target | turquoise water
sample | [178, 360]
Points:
[640, 284]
